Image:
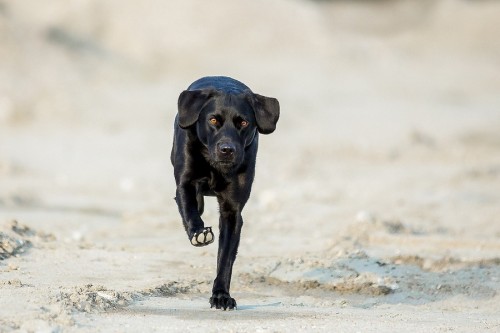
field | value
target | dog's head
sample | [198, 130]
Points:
[227, 123]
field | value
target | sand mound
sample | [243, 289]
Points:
[13, 239]
[91, 298]
[171, 289]
[16, 239]
[414, 280]
[97, 298]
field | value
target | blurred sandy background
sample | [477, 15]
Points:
[376, 203]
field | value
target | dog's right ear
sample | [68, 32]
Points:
[190, 104]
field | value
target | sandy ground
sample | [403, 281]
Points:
[376, 205]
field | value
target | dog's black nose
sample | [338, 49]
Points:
[226, 148]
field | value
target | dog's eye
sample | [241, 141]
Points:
[213, 121]
[244, 123]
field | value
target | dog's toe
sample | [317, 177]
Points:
[203, 237]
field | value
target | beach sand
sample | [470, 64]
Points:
[376, 204]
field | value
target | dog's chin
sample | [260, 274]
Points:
[224, 166]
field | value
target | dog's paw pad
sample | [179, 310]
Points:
[203, 238]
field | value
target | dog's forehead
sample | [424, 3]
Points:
[229, 105]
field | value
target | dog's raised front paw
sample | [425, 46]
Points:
[222, 301]
[203, 237]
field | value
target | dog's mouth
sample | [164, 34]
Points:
[225, 164]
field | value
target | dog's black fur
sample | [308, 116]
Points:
[215, 145]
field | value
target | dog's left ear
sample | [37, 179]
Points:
[189, 105]
[267, 112]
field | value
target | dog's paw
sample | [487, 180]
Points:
[203, 237]
[222, 301]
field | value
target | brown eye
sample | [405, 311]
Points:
[213, 121]
[244, 123]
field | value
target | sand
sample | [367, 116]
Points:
[376, 203]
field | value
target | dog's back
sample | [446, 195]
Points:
[221, 83]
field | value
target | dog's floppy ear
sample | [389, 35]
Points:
[190, 104]
[267, 112]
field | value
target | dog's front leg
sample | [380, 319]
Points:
[198, 234]
[230, 230]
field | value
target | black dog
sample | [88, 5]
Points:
[215, 145]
